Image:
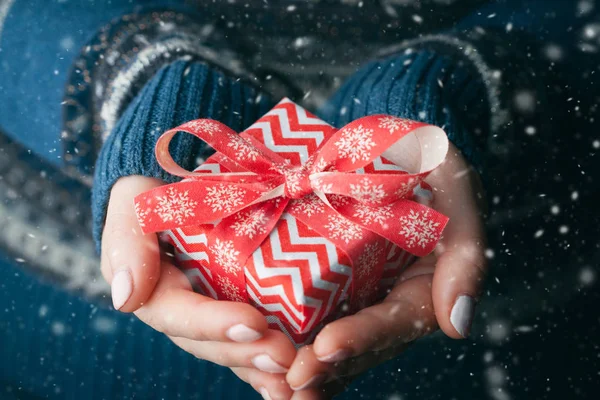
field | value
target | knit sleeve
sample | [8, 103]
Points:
[179, 92]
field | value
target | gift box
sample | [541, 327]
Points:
[302, 220]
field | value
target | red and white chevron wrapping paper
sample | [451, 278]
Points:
[297, 217]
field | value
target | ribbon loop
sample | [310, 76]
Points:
[297, 183]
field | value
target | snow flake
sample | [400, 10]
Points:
[230, 290]
[392, 124]
[368, 259]
[319, 185]
[204, 125]
[227, 256]
[417, 229]
[250, 223]
[366, 191]
[244, 149]
[224, 197]
[337, 200]
[341, 228]
[175, 206]
[309, 205]
[356, 144]
[376, 215]
[321, 164]
[141, 214]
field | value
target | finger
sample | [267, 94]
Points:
[406, 314]
[270, 386]
[130, 259]
[273, 353]
[461, 266]
[174, 309]
[307, 372]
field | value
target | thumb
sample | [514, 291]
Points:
[130, 259]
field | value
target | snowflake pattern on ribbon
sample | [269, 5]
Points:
[224, 197]
[204, 125]
[229, 289]
[250, 223]
[356, 143]
[407, 187]
[309, 205]
[366, 191]
[369, 259]
[175, 206]
[418, 229]
[378, 215]
[392, 124]
[343, 229]
[141, 214]
[227, 256]
[364, 291]
[244, 150]
[337, 200]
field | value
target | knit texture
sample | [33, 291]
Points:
[178, 93]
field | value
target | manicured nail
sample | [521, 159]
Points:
[267, 364]
[315, 381]
[265, 394]
[339, 355]
[121, 288]
[242, 334]
[461, 316]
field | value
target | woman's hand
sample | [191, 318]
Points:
[438, 290]
[146, 282]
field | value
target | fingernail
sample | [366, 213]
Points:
[265, 394]
[121, 288]
[312, 382]
[336, 356]
[267, 364]
[242, 334]
[461, 316]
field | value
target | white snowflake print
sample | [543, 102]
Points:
[309, 205]
[321, 164]
[243, 148]
[356, 144]
[319, 185]
[341, 228]
[373, 215]
[224, 197]
[292, 180]
[204, 125]
[364, 291]
[227, 256]
[407, 187]
[417, 229]
[175, 206]
[366, 191]
[250, 223]
[368, 259]
[337, 200]
[141, 214]
[231, 291]
[392, 124]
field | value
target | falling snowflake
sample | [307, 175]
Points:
[417, 229]
[224, 197]
[250, 223]
[366, 191]
[377, 215]
[369, 259]
[341, 228]
[309, 205]
[356, 144]
[175, 206]
[227, 256]
[365, 291]
[230, 290]
[244, 149]
[204, 125]
[141, 214]
[392, 124]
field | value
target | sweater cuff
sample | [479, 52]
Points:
[179, 92]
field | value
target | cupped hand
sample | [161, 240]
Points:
[145, 281]
[439, 290]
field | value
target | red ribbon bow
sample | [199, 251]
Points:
[331, 193]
